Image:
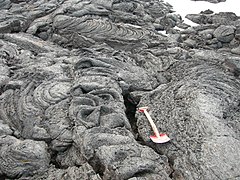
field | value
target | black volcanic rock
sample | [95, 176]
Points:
[224, 33]
[211, 1]
[22, 158]
[197, 117]
[72, 74]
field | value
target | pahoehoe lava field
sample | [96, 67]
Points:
[73, 74]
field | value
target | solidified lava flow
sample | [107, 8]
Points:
[74, 72]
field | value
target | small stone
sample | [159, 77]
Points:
[190, 43]
[236, 50]
[212, 1]
[224, 33]
[208, 11]
[206, 34]
[183, 25]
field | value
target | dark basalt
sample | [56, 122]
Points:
[73, 73]
[211, 1]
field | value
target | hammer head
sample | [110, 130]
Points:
[162, 139]
[142, 109]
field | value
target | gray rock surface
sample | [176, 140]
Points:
[22, 158]
[73, 73]
[85, 171]
[224, 33]
[198, 119]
